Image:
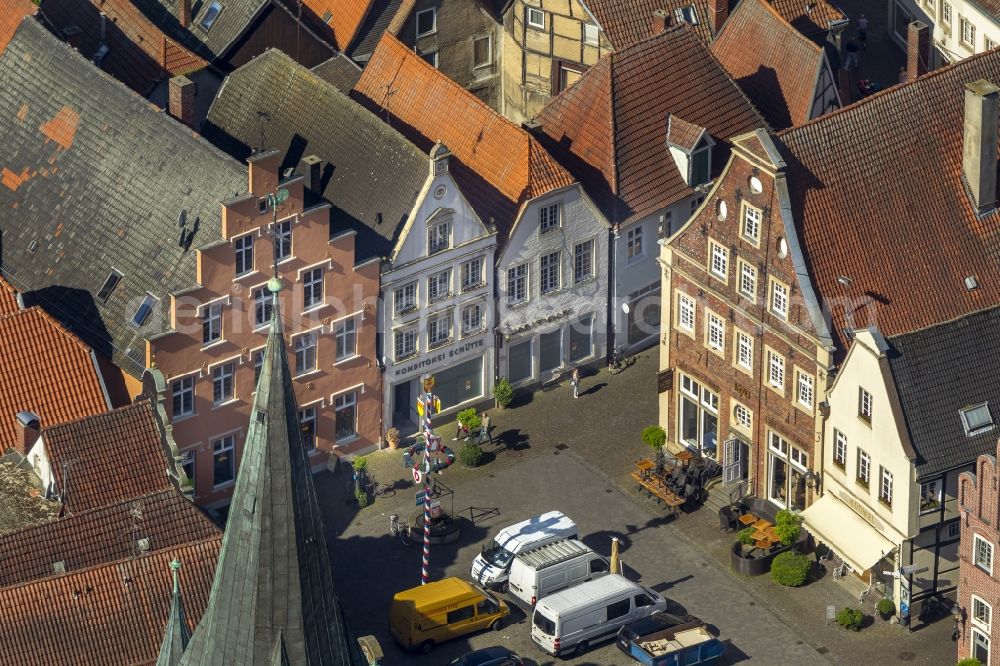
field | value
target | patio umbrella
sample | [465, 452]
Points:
[615, 560]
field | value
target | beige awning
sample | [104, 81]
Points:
[848, 534]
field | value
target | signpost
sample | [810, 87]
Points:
[421, 497]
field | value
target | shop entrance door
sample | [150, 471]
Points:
[550, 350]
[734, 462]
[401, 405]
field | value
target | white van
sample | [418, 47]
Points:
[542, 570]
[572, 620]
[492, 566]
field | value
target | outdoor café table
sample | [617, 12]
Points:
[644, 466]
[684, 456]
[748, 519]
[762, 524]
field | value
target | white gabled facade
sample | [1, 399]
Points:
[960, 28]
[552, 274]
[437, 307]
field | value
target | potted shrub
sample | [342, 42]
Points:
[850, 618]
[885, 608]
[392, 438]
[361, 497]
[469, 418]
[503, 392]
[970, 661]
[654, 437]
[790, 568]
[470, 454]
[746, 538]
[360, 465]
[788, 526]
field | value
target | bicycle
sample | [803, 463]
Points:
[618, 360]
[370, 485]
[402, 530]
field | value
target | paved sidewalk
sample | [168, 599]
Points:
[602, 430]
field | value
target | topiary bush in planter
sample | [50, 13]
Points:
[654, 437]
[361, 498]
[503, 392]
[885, 608]
[850, 618]
[746, 536]
[790, 569]
[788, 526]
[470, 454]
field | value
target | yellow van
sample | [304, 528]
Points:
[424, 616]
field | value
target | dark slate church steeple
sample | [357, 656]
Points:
[273, 600]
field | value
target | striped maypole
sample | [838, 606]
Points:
[429, 404]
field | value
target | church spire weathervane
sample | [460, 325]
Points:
[275, 199]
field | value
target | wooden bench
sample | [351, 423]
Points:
[657, 489]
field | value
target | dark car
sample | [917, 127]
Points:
[491, 656]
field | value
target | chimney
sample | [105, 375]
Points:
[658, 23]
[979, 145]
[184, 12]
[719, 10]
[311, 167]
[28, 427]
[180, 100]
[918, 49]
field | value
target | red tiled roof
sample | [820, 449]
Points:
[683, 134]
[44, 369]
[498, 165]
[627, 22]
[609, 128]
[771, 61]
[883, 203]
[112, 457]
[808, 16]
[111, 614]
[106, 534]
[140, 54]
[11, 16]
[8, 298]
[344, 17]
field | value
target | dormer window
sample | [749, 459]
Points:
[438, 237]
[701, 162]
[691, 148]
[976, 419]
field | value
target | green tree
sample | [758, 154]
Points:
[503, 392]
[654, 437]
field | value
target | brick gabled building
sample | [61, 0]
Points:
[744, 348]
[979, 569]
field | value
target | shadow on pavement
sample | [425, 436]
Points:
[733, 655]
[593, 389]
[512, 440]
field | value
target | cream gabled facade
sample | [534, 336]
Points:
[959, 28]
[867, 511]
[437, 302]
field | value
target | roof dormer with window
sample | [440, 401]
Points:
[691, 148]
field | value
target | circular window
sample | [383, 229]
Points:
[782, 248]
[755, 185]
[721, 210]
[440, 191]
[741, 415]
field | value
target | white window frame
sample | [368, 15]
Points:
[805, 389]
[263, 305]
[549, 217]
[435, 284]
[863, 474]
[310, 283]
[984, 639]
[433, 58]
[583, 261]
[967, 32]
[346, 400]
[346, 337]
[211, 316]
[182, 386]
[517, 284]
[742, 416]
[470, 327]
[778, 301]
[591, 34]
[145, 308]
[750, 224]
[306, 352]
[416, 22]
[885, 486]
[979, 541]
[748, 279]
[775, 371]
[534, 18]
[687, 14]
[715, 332]
[438, 237]
[242, 252]
[222, 377]
[472, 269]
[988, 44]
[976, 428]
[946, 13]
[743, 353]
[228, 445]
[934, 490]
[401, 352]
[208, 19]
[489, 51]
[718, 260]
[839, 449]
[981, 614]
[439, 329]
[408, 302]
[864, 405]
[633, 244]
[686, 313]
[283, 240]
[550, 272]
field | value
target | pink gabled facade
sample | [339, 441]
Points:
[204, 368]
[979, 571]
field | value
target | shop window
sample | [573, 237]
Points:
[460, 383]
[346, 413]
[580, 339]
[519, 361]
[699, 417]
[787, 467]
[550, 350]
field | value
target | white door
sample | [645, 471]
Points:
[734, 461]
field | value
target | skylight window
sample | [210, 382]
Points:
[210, 15]
[142, 314]
[687, 15]
[109, 286]
[976, 419]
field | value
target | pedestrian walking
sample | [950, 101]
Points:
[851, 61]
[462, 432]
[574, 381]
[484, 435]
[863, 31]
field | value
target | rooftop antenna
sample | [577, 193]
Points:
[134, 528]
[389, 92]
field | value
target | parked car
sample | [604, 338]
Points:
[666, 639]
[491, 568]
[491, 656]
[572, 620]
[423, 616]
[542, 570]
